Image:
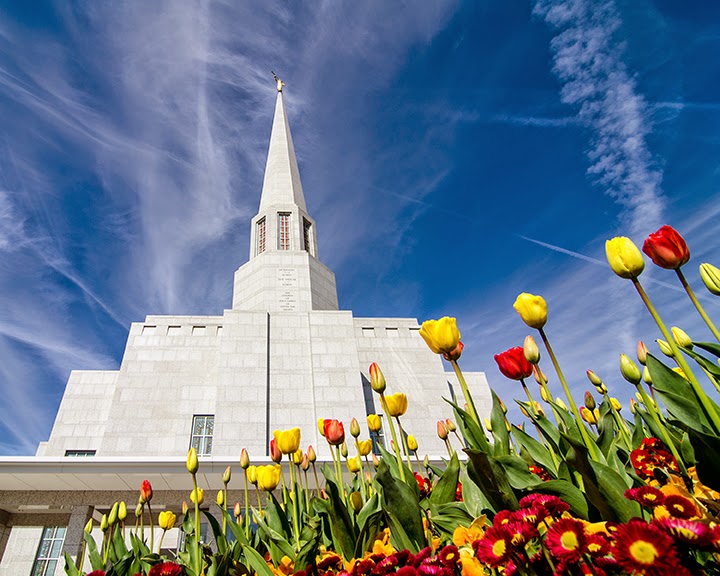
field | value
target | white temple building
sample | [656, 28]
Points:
[283, 355]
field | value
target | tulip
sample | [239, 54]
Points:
[450, 425]
[244, 459]
[365, 447]
[629, 370]
[624, 257]
[354, 428]
[288, 441]
[252, 474]
[321, 426]
[113, 516]
[488, 424]
[297, 457]
[442, 430]
[531, 350]
[455, 354]
[305, 463]
[220, 498]
[312, 457]
[633, 405]
[192, 461]
[665, 348]
[139, 510]
[642, 352]
[502, 406]
[412, 443]
[356, 501]
[354, 464]
[544, 394]
[237, 510]
[275, 454]
[442, 336]
[680, 371]
[122, 511]
[588, 415]
[227, 475]
[104, 524]
[646, 376]
[681, 337]
[146, 492]
[532, 310]
[197, 496]
[561, 404]
[375, 461]
[89, 526]
[343, 450]
[590, 401]
[539, 375]
[595, 380]
[268, 477]
[710, 276]
[185, 507]
[334, 432]
[513, 365]
[166, 520]
[377, 379]
[615, 403]
[666, 248]
[396, 404]
[374, 423]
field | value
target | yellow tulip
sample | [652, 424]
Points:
[396, 404]
[197, 496]
[681, 337]
[268, 477]
[679, 370]
[122, 512]
[624, 257]
[615, 403]
[588, 415]
[192, 461]
[353, 464]
[297, 456]
[665, 348]
[441, 336]
[354, 428]
[251, 473]
[220, 499]
[288, 441]
[373, 422]
[710, 276]
[412, 443]
[365, 447]
[532, 309]
[377, 379]
[166, 520]
[321, 426]
[311, 454]
[244, 459]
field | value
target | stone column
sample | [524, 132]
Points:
[5, 529]
[75, 528]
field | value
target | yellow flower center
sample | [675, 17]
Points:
[651, 497]
[644, 552]
[499, 548]
[687, 533]
[569, 540]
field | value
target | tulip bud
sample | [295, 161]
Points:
[377, 379]
[275, 454]
[321, 426]
[646, 376]
[524, 411]
[122, 512]
[615, 403]
[680, 371]
[589, 401]
[539, 375]
[531, 350]
[450, 425]
[545, 394]
[710, 276]
[455, 354]
[375, 461]
[220, 498]
[488, 424]
[104, 524]
[642, 352]
[629, 370]
[139, 510]
[412, 443]
[373, 422]
[297, 457]
[113, 516]
[237, 510]
[305, 464]
[226, 475]
[197, 496]
[426, 462]
[624, 257]
[665, 348]
[89, 526]
[251, 473]
[681, 337]
[192, 461]
[502, 406]
[633, 405]
[356, 501]
[561, 404]
[442, 430]
[354, 428]
[185, 508]
[244, 459]
[344, 450]
[588, 415]
[594, 378]
[146, 492]
[311, 454]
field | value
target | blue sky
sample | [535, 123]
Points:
[452, 154]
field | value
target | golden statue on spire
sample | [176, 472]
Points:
[279, 82]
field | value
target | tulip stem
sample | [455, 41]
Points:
[680, 359]
[405, 442]
[317, 482]
[697, 304]
[198, 552]
[162, 537]
[362, 470]
[465, 391]
[401, 466]
[294, 503]
[583, 431]
[224, 507]
[152, 527]
[247, 507]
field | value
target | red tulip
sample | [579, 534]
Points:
[334, 432]
[275, 454]
[513, 365]
[667, 248]
[145, 491]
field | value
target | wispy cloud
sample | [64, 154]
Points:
[536, 121]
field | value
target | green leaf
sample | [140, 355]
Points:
[548, 430]
[70, 568]
[217, 531]
[372, 526]
[472, 433]
[96, 560]
[501, 444]
[257, 562]
[537, 451]
[342, 528]
[568, 493]
[400, 504]
[712, 347]
[492, 479]
[449, 516]
[474, 499]
[445, 489]
[517, 471]
[707, 448]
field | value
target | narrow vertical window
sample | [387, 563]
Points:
[307, 236]
[49, 551]
[202, 434]
[283, 231]
[261, 236]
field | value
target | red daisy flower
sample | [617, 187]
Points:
[97, 573]
[502, 517]
[166, 569]
[406, 571]
[533, 514]
[680, 507]
[551, 503]
[520, 532]
[495, 547]
[363, 567]
[645, 550]
[597, 545]
[328, 562]
[685, 531]
[566, 540]
[449, 555]
[646, 495]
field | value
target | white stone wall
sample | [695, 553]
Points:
[20, 552]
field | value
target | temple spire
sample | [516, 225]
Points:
[281, 185]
